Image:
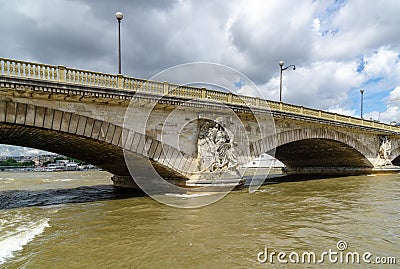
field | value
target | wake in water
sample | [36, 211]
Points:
[19, 233]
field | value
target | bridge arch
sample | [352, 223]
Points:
[315, 147]
[95, 141]
[395, 156]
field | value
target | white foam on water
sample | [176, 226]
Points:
[58, 180]
[261, 191]
[185, 195]
[22, 235]
[6, 180]
[65, 179]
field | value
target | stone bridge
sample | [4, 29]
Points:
[188, 134]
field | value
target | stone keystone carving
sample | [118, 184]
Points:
[215, 148]
[384, 152]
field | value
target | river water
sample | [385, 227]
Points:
[78, 220]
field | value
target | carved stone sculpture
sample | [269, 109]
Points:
[384, 152]
[215, 148]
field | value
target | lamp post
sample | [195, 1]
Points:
[119, 17]
[281, 63]
[362, 101]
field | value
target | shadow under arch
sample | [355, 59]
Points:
[91, 140]
[315, 147]
[395, 156]
[319, 152]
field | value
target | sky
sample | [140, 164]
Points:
[338, 47]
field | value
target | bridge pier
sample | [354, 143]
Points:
[224, 178]
[329, 171]
[341, 171]
[124, 182]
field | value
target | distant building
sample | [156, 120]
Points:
[17, 158]
[41, 159]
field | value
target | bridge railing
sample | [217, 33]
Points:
[61, 74]
[23, 69]
[86, 78]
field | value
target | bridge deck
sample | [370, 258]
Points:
[70, 81]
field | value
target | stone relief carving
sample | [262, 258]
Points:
[215, 148]
[384, 152]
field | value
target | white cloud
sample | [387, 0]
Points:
[8, 151]
[360, 26]
[392, 113]
[343, 111]
[394, 95]
[382, 63]
[392, 110]
[321, 85]
[316, 25]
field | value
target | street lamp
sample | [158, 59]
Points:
[119, 17]
[362, 97]
[281, 63]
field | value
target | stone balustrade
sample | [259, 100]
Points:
[62, 74]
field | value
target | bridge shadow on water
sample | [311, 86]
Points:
[277, 179]
[11, 199]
